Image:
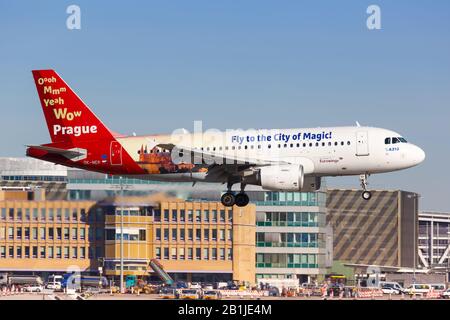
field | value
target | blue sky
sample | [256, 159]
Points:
[153, 66]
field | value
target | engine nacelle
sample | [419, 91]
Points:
[287, 178]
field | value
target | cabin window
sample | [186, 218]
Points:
[342, 143]
[323, 144]
[395, 140]
[329, 143]
[269, 146]
[348, 143]
[387, 141]
[310, 144]
[336, 143]
[298, 145]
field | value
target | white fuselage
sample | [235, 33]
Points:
[333, 151]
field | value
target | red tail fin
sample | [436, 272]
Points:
[68, 119]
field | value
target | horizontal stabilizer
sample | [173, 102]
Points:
[74, 154]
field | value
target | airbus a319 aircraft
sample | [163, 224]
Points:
[275, 159]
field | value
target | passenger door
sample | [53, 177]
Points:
[362, 143]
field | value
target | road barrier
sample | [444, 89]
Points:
[244, 293]
[369, 293]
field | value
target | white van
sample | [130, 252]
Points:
[54, 282]
[418, 289]
[438, 286]
[391, 287]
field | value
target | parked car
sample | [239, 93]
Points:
[33, 288]
[212, 295]
[195, 285]
[207, 286]
[189, 294]
[446, 294]
[385, 285]
[168, 293]
[438, 286]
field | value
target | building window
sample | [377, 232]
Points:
[83, 215]
[158, 253]
[42, 233]
[222, 235]
[34, 233]
[206, 234]
[58, 215]
[82, 233]
[75, 215]
[11, 214]
[222, 253]
[11, 252]
[197, 215]
[181, 253]
[51, 214]
[3, 214]
[19, 214]
[19, 252]
[205, 254]
[206, 216]
[19, 233]
[10, 233]
[35, 252]
[2, 252]
[27, 252]
[27, 233]
[189, 253]
[74, 233]
[66, 214]
[230, 254]
[174, 234]
[174, 253]
[158, 234]
[182, 215]
[198, 234]
[66, 234]
[142, 235]
[50, 233]
[166, 253]
[50, 252]
[166, 234]
[214, 253]
[190, 234]
[222, 215]
[66, 252]
[174, 215]
[27, 214]
[197, 253]
[166, 215]
[43, 214]
[214, 216]
[230, 235]
[157, 215]
[42, 253]
[182, 232]
[82, 253]
[214, 235]
[190, 216]
[110, 234]
[74, 252]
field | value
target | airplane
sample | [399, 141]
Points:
[275, 159]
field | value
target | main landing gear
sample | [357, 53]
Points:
[366, 195]
[230, 199]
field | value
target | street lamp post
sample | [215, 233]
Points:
[121, 236]
[415, 197]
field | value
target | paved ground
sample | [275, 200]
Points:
[60, 296]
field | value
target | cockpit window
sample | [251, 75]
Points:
[395, 140]
[387, 141]
[403, 140]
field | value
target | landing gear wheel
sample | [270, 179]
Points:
[366, 195]
[228, 199]
[242, 199]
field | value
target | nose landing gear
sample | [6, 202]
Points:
[366, 195]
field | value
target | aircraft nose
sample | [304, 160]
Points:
[418, 155]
